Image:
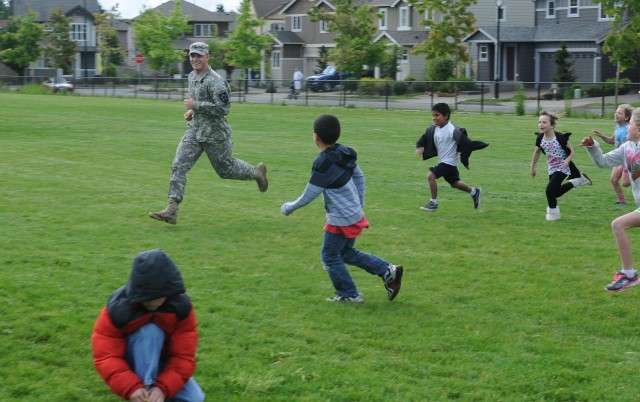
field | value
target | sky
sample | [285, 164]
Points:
[132, 8]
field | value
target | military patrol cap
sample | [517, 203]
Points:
[199, 48]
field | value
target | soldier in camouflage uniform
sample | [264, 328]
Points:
[208, 103]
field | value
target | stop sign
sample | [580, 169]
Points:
[139, 58]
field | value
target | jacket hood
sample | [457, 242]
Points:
[153, 275]
[343, 156]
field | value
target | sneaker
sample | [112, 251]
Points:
[341, 299]
[393, 281]
[476, 198]
[621, 202]
[585, 179]
[430, 207]
[621, 282]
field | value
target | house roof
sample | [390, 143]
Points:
[566, 32]
[406, 38]
[268, 8]
[195, 13]
[289, 38]
[42, 8]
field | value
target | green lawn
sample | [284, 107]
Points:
[496, 305]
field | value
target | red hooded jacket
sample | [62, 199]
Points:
[154, 275]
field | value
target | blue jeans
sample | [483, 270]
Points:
[143, 354]
[337, 251]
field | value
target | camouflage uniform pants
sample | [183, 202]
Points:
[219, 154]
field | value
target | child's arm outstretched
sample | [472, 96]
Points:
[534, 160]
[610, 159]
[311, 192]
[608, 140]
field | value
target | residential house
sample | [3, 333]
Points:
[300, 43]
[518, 51]
[82, 31]
[269, 12]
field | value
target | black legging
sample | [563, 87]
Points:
[555, 188]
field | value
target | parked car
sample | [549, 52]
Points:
[57, 84]
[326, 80]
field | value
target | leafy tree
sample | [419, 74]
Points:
[322, 60]
[19, 42]
[390, 66]
[155, 34]
[450, 22]
[564, 66]
[6, 9]
[623, 40]
[108, 44]
[245, 47]
[355, 26]
[60, 50]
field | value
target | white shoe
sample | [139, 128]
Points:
[553, 214]
[583, 180]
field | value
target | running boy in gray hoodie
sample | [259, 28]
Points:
[336, 175]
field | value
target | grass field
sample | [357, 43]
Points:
[496, 305]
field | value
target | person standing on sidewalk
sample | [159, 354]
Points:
[619, 136]
[559, 153]
[208, 132]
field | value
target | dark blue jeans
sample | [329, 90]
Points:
[337, 251]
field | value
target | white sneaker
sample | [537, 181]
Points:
[583, 180]
[553, 214]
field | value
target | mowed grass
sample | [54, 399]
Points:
[496, 305]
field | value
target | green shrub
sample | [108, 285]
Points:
[271, 88]
[419, 87]
[384, 88]
[400, 87]
[350, 84]
[367, 86]
[609, 88]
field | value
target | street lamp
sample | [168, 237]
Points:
[497, 55]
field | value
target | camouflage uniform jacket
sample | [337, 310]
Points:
[213, 102]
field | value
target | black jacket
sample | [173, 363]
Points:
[563, 139]
[465, 145]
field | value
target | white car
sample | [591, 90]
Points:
[57, 84]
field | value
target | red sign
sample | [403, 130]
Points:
[139, 58]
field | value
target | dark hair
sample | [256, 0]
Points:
[328, 128]
[553, 118]
[442, 108]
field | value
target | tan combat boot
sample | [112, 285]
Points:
[169, 214]
[261, 177]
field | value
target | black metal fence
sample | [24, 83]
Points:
[598, 98]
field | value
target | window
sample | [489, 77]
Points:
[551, 9]
[573, 8]
[603, 16]
[405, 55]
[324, 26]
[207, 30]
[277, 27]
[296, 23]
[483, 53]
[275, 59]
[404, 19]
[79, 32]
[382, 21]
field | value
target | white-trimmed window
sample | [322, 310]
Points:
[405, 55]
[602, 16]
[277, 26]
[483, 53]
[296, 23]
[79, 32]
[324, 26]
[405, 21]
[382, 21]
[275, 59]
[551, 9]
[205, 30]
[574, 8]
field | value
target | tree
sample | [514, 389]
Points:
[390, 67]
[450, 22]
[60, 50]
[245, 47]
[19, 42]
[564, 66]
[155, 34]
[6, 9]
[355, 26]
[623, 40]
[108, 44]
[322, 60]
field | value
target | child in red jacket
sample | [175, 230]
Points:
[144, 340]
